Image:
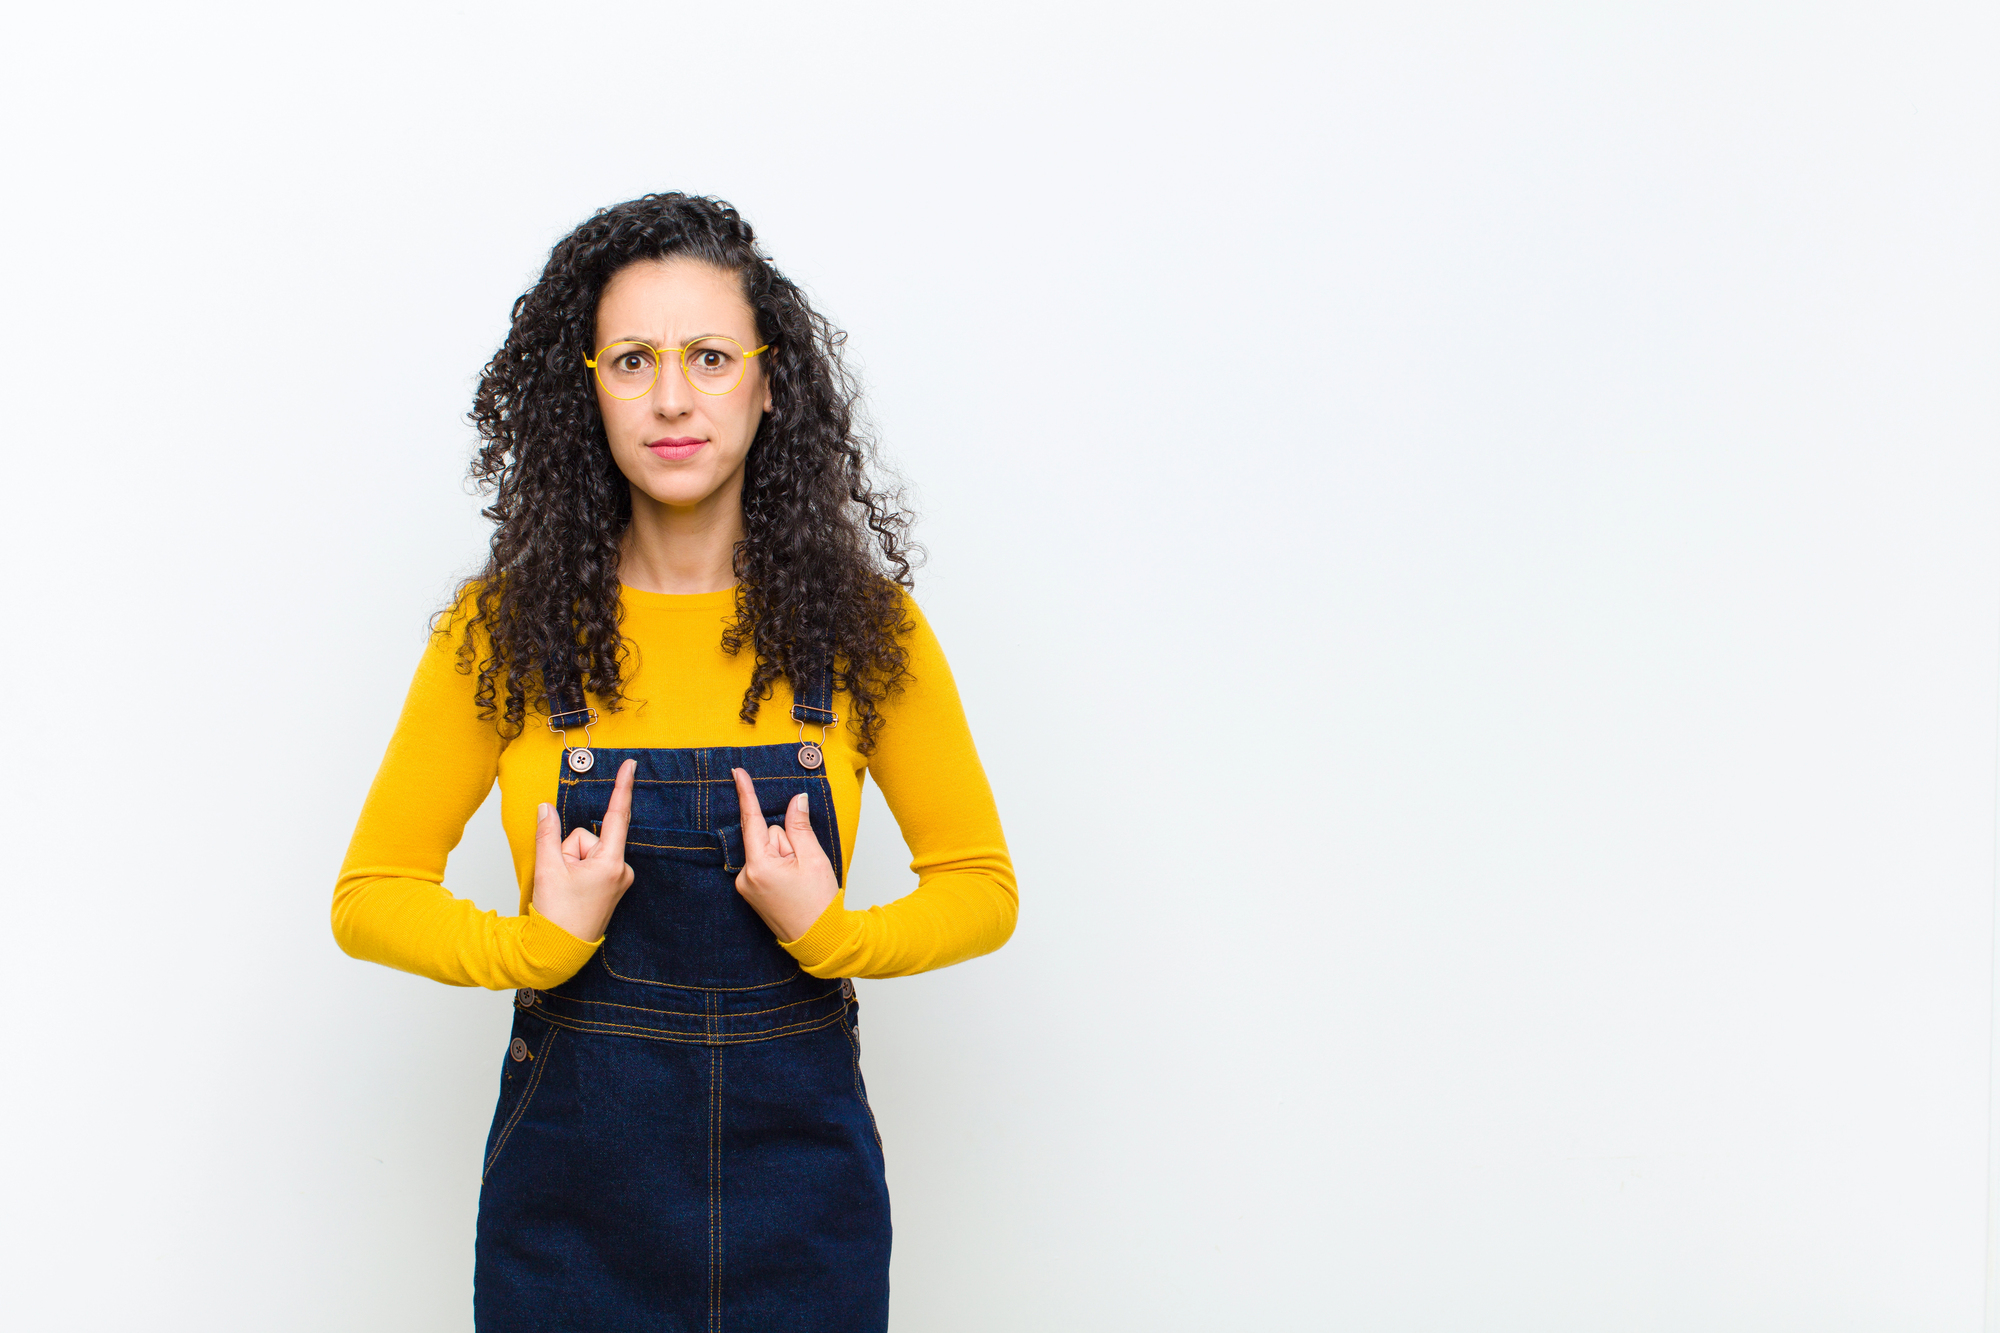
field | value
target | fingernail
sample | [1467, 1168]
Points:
[544, 810]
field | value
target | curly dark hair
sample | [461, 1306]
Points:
[825, 552]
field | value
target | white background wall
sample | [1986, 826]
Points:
[1469, 537]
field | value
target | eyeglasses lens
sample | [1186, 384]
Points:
[714, 365]
[627, 370]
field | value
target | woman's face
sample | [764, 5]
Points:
[677, 445]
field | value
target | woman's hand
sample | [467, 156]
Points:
[579, 879]
[786, 875]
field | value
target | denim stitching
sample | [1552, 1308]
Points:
[859, 1091]
[691, 782]
[678, 986]
[825, 787]
[714, 1189]
[689, 1039]
[527, 1095]
[711, 1031]
[689, 1013]
[716, 846]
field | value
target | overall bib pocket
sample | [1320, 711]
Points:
[682, 923]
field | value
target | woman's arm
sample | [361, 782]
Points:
[965, 901]
[390, 905]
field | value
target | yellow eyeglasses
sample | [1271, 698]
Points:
[712, 365]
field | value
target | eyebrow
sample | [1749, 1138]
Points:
[632, 338]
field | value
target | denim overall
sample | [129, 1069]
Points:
[683, 1140]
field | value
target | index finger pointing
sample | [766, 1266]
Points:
[753, 814]
[617, 814]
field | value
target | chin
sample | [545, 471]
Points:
[679, 497]
[681, 486]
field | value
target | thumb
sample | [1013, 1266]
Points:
[799, 825]
[548, 836]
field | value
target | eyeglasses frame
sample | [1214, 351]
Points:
[680, 356]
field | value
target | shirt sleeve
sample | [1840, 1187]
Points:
[390, 904]
[965, 901]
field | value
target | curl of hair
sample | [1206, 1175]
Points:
[825, 553]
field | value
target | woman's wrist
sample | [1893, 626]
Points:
[580, 926]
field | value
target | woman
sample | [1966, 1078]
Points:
[691, 638]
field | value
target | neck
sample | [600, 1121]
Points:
[683, 548]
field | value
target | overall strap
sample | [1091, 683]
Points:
[814, 703]
[580, 716]
[579, 758]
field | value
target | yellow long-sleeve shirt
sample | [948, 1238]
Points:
[390, 904]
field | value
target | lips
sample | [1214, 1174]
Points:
[676, 447]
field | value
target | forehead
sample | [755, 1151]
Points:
[664, 299]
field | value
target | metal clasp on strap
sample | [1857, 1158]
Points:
[812, 754]
[815, 706]
[579, 758]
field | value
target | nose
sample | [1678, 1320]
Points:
[672, 395]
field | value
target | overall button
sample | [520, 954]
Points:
[524, 998]
[518, 1049]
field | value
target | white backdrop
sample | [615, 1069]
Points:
[1470, 538]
